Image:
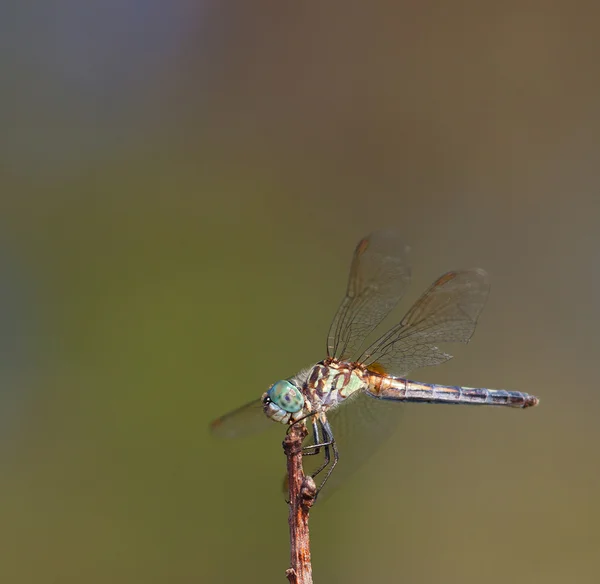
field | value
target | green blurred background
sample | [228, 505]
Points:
[182, 184]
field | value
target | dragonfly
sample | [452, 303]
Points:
[348, 398]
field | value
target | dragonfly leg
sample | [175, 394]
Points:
[327, 430]
[326, 444]
[323, 438]
[315, 447]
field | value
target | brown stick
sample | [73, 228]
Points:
[302, 492]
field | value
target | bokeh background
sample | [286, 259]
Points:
[182, 184]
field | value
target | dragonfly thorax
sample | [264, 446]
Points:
[283, 402]
[330, 382]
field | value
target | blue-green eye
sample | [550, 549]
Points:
[286, 396]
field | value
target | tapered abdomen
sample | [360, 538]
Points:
[405, 390]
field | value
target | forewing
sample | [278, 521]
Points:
[244, 421]
[379, 276]
[446, 313]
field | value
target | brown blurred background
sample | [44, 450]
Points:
[182, 184]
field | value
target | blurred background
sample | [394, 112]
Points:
[181, 188]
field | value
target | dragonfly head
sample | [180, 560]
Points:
[283, 402]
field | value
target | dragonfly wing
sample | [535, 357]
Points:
[379, 276]
[246, 420]
[360, 425]
[447, 312]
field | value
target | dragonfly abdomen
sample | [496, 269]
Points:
[399, 389]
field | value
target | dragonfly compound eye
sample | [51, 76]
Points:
[287, 396]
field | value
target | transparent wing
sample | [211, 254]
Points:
[446, 313]
[246, 420]
[360, 425]
[379, 276]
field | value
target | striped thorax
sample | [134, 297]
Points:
[330, 382]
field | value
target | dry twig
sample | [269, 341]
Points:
[302, 492]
